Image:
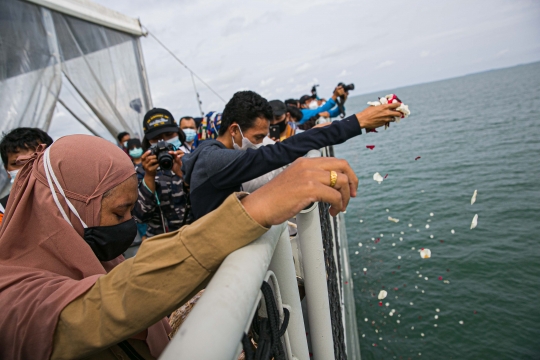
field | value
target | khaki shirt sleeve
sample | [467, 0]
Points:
[142, 290]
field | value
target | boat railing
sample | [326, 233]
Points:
[223, 315]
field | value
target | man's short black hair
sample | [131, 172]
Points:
[186, 118]
[295, 112]
[22, 138]
[243, 109]
[121, 135]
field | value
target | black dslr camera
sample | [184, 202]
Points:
[341, 100]
[161, 150]
[347, 88]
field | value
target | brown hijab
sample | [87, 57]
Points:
[44, 261]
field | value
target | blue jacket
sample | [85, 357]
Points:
[335, 112]
[215, 172]
[308, 113]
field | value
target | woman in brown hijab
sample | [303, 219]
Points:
[60, 301]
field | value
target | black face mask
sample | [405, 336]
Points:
[109, 242]
[282, 126]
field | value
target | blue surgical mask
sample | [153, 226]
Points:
[190, 134]
[175, 142]
[136, 153]
[13, 175]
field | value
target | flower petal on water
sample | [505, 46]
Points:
[393, 219]
[452, 231]
[378, 178]
[473, 199]
[427, 226]
[418, 157]
[370, 147]
[474, 222]
[382, 294]
[425, 253]
[460, 322]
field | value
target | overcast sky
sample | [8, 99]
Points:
[281, 48]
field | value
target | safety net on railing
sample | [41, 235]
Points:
[333, 272]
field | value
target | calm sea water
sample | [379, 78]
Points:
[481, 132]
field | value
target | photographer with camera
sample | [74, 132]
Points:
[310, 108]
[162, 200]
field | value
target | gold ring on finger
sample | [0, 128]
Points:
[333, 178]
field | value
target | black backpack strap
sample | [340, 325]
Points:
[187, 211]
[130, 351]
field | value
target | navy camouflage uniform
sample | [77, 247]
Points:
[170, 202]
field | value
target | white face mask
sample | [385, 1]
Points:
[13, 174]
[246, 144]
[313, 105]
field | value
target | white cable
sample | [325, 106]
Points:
[50, 173]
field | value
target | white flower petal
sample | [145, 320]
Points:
[382, 294]
[452, 231]
[425, 254]
[473, 199]
[427, 226]
[460, 322]
[393, 219]
[374, 103]
[404, 109]
[378, 178]
[474, 222]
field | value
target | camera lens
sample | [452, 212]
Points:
[165, 161]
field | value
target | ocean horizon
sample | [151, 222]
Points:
[476, 297]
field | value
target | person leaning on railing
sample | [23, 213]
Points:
[217, 168]
[66, 291]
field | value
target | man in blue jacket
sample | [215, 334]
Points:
[329, 109]
[217, 168]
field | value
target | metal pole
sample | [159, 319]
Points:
[283, 267]
[214, 328]
[318, 306]
[311, 245]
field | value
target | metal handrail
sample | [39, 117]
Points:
[215, 326]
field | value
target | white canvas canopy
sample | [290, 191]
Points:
[75, 54]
